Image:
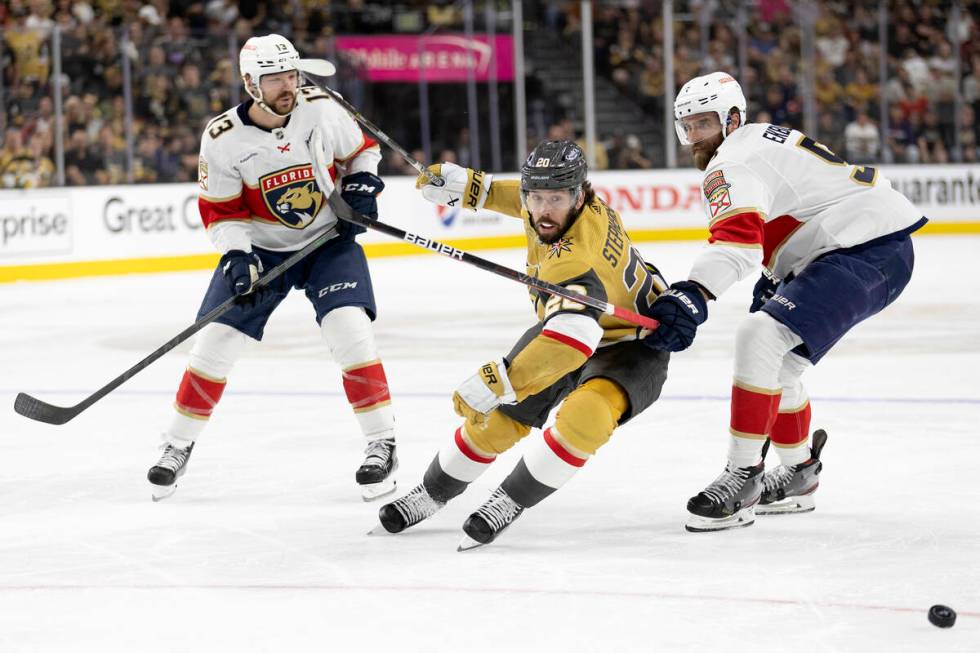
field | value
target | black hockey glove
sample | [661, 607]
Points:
[241, 270]
[764, 289]
[680, 310]
[360, 190]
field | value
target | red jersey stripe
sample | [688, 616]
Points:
[743, 228]
[232, 209]
[568, 340]
[777, 232]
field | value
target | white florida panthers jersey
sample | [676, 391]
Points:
[775, 196]
[257, 185]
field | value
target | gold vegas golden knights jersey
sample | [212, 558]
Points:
[595, 254]
[594, 257]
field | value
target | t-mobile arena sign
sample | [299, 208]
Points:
[441, 58]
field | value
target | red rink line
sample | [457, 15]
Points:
[487, 590]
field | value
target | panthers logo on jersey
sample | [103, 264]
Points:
[292, 195]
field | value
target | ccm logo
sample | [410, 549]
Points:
[357, 187]
[343, 285]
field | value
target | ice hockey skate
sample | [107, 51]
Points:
[787, 490]
[729, 502]
[489, 521]
[171, 466]
[376, 475]
[408, 511]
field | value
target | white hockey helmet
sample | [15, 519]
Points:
[715, 92]
[264, 55]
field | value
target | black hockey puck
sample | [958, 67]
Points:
[942, 616]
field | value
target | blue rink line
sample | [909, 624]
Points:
[937, 401]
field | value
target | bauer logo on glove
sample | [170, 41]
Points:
[484, 391]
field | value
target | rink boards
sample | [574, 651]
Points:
[86, 231]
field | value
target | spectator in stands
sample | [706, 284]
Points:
[81, 161]
[968, 134]
[900, 139]
[632, 157]
[932, 148]
[861, 140]
[861, 95]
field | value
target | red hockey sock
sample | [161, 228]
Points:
[198, 395]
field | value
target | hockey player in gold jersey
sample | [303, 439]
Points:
[593, 364]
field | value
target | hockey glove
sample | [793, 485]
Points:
[483, 392]
[360, 190]
[680, 310]
[241, 270]
[463, 188]
[764, 289]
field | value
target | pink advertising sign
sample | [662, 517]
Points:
[396, 58]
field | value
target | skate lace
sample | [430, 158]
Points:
[173, 458]
[378, 453]
[727, 485]
[417, 505]
[499, 510]
[777, 478]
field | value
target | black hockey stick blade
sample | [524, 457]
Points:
[40, 411]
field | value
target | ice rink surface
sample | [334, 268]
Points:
[264, 545]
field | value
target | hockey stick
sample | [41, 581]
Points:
[41, 411]
[346, 213]
[323, 68]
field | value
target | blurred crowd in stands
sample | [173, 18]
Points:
[178, 56]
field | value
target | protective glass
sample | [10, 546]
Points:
[697, 127]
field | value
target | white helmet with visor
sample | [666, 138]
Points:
[266, 55]
[716, 93]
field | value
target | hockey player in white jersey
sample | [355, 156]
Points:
[834, 242]
[260, 202]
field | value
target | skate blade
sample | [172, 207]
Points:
[787, 506]
[161, 492]
[741, 519]
[468, 544]
[379, 530]
[374, 491]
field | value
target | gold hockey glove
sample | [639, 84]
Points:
[483, 392]
[464, 187]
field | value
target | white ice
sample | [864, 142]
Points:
[264, 545]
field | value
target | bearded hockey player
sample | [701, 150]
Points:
[260, 202]
[592, 364]
[834, 241]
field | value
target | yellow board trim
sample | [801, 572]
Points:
[74, 269]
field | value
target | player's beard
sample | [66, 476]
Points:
[702, 151]
[275, 104]
[552, 236]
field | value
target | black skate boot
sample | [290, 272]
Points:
[788, 490]
[729, 502]
[408, 510]
[490, 520]
[171, 466]
[376, 475]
